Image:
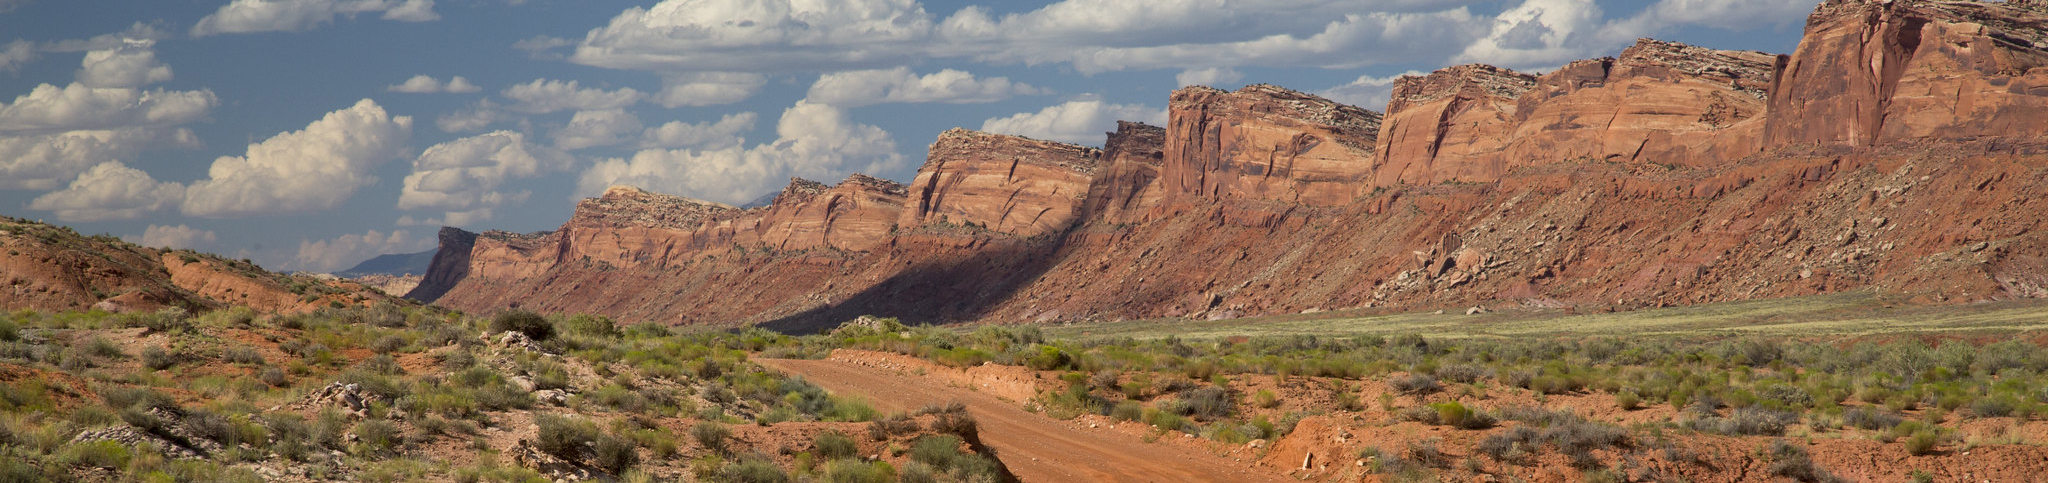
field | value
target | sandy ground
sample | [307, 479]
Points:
[1034, 447]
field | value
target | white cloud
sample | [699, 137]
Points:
[474, 118]
[1722, 14]
[1368, 92]
[250, 16]
[816, 141]
[109, 191]
[1081, 121]
[45, 161]
[544, 96]
[542, 47]
[310, 169]
[708, 88]
[705, 135]
[597, 128]
[413, 11]
[49, 108]
[1539, 34]
[865, 87]
[15, 54]
[425, 84]
[348, 250]
[758, 35]
[179, 236]
[133, 64]
[1208, 76]
[462, 177]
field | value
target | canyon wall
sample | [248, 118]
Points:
[1897, 150]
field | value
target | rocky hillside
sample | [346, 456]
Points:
[1899, 149]
[52, 268]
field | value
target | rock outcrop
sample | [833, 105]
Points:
[1870, 72]
[1264, 142]
[1669, 174]
[52, 268]
[450, 265]
[1006, 184]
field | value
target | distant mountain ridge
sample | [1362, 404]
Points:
[1900, 149]
[392, 264]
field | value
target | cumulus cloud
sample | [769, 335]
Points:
[425, 84]
[865, 87]
[15, 54]
[474, 118]
[250, 16]
[1368, 92]
[314, 168]
[109, 191]
[708, 88]
[1080, 121]
[544, 96]
[1537, 34]
[45, 161]
[758, 36]
[462, 177]
[815, 141]
[1722, 14]
[776, 36]
[348, 250]
[133, 64]
[49, 108]
[724, 133]
[543, 47]
[597, 128]
[179, 236]
[1209, 76]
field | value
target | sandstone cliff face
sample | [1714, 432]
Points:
[1265, 143]
[1124, 189]
[1660, 102]
[1670, 174]
[1870, 72]
[1448, 125]
[1007, 184]
[449, 267]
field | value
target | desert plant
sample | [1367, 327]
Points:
[832, 445]
[156, 358]
[1209, 402]
[1922, 442]
[1265, 399]
[711, 436]
[1791, 461]
[565, 436]
[1415, 383]
[533, 325]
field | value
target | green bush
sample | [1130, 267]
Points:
[565, 437]
[832, 445]
[1127, 410]
[613, 454]
[377, 437]
[533, 325]
[711, 436]
[95, 454]
[1922, 442]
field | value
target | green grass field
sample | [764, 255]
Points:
[1848, 315]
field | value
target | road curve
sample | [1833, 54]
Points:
[1034, 447]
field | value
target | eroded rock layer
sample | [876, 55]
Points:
[1897, 150]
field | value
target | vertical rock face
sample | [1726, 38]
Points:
[1124, 188]
[1448, 125]
[1870, 72]
[856, 215]
[1264, 142]
[450, 265]
[1660, 102]
[1007, 184]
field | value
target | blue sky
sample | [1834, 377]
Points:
[313, 134]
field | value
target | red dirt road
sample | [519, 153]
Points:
[1035, 448]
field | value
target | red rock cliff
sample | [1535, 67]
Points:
[1125, 188]
[1870, 72]
[1264, 142]
[1007, 184]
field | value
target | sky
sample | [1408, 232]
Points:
[309, 135]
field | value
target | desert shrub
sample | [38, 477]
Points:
[711, 436]
[1462, 373]
[613, 454]
[1049, 358]
[1513, 445]
[1265, 398]
[1577, 439]
[1870, 418]
[376, 437]
[388, 344]
[156, 358]
[1993, 406]
[1127, 410]
[289, 436]
[1788, 395]
[101, 347]
[854, 471]
[943, 453]
[592, 326]
[1628, 401]
[533, 325]
[242, 355]
[1749, 421]
[1209, 402]
[752, 468]
[549, 375]
[957, 423]
[1427, 453]
[1922, 442]
[272, 375]
[885, 428]
[565, 437]
[1454, 414]
[1106, 379]
[94, 454]
[832, 445]
[1415, 383]
[1791, 461]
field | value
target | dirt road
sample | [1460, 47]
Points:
[1036, 448]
